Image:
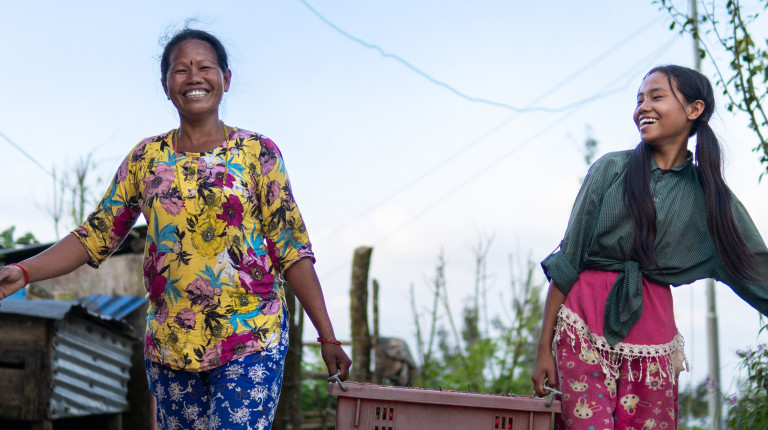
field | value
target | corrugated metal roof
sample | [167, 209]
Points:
[111, 307]
[49, 309]
[133, 243]
[103, 307]
[14, 255]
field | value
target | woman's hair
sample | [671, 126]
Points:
[192, 34]
[729, 243]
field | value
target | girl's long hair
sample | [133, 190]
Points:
[729, 243]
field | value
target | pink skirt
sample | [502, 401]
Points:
[653, 339]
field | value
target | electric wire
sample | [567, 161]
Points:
[428, 172]
[57, 180]
[430, 78]
[629, 75]
[25, 153]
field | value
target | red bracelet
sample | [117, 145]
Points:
[26, 274]
[331, 341]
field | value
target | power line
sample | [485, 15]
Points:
[25, 153]
[506, 155]
[61, 182]
[406, 63]
[596, 60]
[629, 75]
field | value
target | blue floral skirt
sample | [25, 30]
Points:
[239, 394]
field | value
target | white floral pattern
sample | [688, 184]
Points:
[240, 394]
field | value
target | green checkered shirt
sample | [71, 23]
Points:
[600, 233]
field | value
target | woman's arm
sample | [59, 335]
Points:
[545, 369]
[303, 281]
[63, 257]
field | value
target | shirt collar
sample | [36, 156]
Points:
[679, 168]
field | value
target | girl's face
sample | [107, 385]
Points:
[195, 82]
[662, 115]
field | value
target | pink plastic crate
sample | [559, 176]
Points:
[377, 407]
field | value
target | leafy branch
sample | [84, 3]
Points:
[745, 82]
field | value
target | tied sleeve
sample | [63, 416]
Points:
[564, 265]
[109, 224]
[755, 294]
[282, 224]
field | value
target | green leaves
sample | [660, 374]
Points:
[747, 407]
[7, 240]
[489, 353]
[744, 81]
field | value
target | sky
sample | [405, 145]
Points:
[417, 128]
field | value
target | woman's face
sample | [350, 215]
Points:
[662, 115]
[195, 82]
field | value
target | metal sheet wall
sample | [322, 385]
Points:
[90, 368]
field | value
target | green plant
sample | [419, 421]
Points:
[317, 405]
[745, 80]
[693, 411]
[8, 241]
[746, 409]
[489, 353]
[72, 190]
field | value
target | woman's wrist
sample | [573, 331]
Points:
[23, 270]
[329, 340]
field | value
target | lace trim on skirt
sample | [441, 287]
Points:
[669, 358]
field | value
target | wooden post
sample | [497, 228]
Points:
[288, 414]
[358, 304]
[377, 352]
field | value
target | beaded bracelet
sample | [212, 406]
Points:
[331, 341]
[26, 274]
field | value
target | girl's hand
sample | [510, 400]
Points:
[545, 369]
[544, 372]
[11, 280]
[336, 360]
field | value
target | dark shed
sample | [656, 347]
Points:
[65, 358]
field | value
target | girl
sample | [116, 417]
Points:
[643, 219]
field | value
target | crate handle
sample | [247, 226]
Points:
[552, 397]
[336, 378]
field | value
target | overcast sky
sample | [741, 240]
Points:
[468, 123]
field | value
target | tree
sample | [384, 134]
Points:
[743, 74]
[71, 191]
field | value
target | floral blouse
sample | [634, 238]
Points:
[221, 226]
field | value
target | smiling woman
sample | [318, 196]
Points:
[223, 228]
[195, 80]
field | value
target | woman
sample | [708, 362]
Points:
[222, 227]
[644, 219]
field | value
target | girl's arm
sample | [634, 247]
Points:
[303, 281]
[545, 369]
[63, 257]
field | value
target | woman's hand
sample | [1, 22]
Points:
[63, 257]
[544, 372]
[11, 280]
[336, 360]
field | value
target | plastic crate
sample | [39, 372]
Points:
[377, 407]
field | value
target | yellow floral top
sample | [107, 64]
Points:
[221, 225]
